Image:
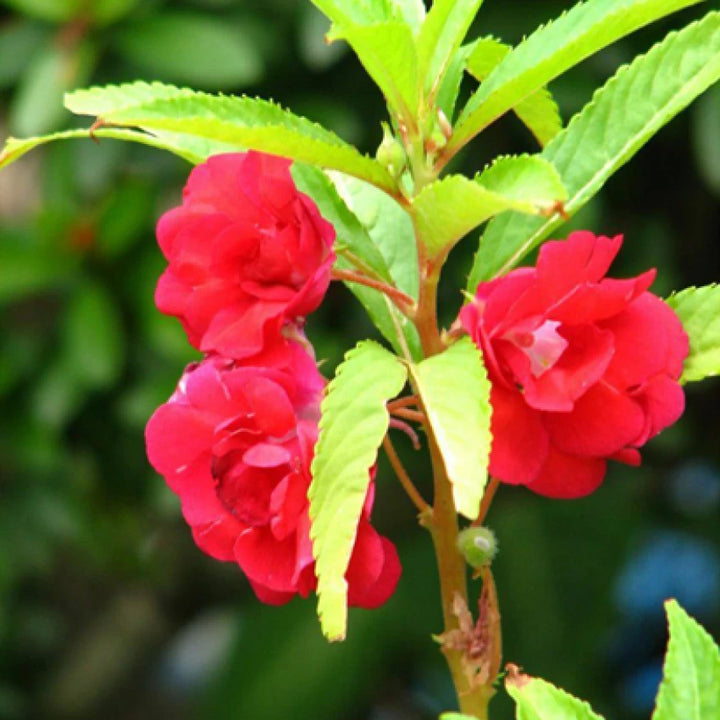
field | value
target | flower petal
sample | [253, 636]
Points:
[567, 476]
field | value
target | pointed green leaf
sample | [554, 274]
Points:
[455, 393]
[622, 116]
[699, 312]
[550, 51]
[387, 52]
[191, 149]
[537, 699]
[449, 208]
[456, 716]
[539, 112]
[691, 675]
[353, 424]
[241, 122]
[440, 37]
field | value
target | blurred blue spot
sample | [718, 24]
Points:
[670, 564]
[695, 488]
[638, 689]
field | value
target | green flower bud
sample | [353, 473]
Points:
[391, 153]
[477, 545]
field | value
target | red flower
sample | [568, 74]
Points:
[235, 442]
[247, 254]
[583, 368]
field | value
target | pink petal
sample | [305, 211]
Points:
[520, 442]
[566, 476]
[603, 422]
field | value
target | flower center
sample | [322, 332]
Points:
[543, 345]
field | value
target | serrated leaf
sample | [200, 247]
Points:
[699, 312]
[191, 149]
[239, 122]
[537, 699]
[550, 51]
[455, 393]
[387, 52]
[353, 423]
[192, 48]
[538, 112]
[354, 236]
[440, 37]
[622, 116]
[449, 208]
[691, 675]
[389, 227]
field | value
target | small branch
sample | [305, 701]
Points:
[407, 401]
[412, 415]
[404, 302]
[404, 478]
[489, 494]
[407, 429]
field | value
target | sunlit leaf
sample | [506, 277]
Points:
[353, 424]
[622, 116]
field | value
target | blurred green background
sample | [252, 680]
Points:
[107, 609]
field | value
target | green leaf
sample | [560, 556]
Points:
[18, 43]
[93, 343]
[455, 393]
[691, 675]
[353, 424]
[389, 227]
[536, 699]
[240, 122]
[192, 48]
[550, 51]
[456, 716]
[37, 105]
[387, 52]
[449, 208]
[354, 237]
[440, 37]
[48, 10]
[539, 112]
[622, 116]
[699, 312]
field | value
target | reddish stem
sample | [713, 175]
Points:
[404, 302]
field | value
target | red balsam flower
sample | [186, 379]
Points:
[248, 253]
[584, 368]
[235, 442]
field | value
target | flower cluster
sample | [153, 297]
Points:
[583, 368]
[249, 257]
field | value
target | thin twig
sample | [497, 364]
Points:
[404, 302]
[490, 490]
[404, 478]
[412, 415]
[408, 400]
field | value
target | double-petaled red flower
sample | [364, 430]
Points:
[249, 257]
[584, 368]
[248, 254]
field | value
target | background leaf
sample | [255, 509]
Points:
[550, 51]
[449, 208]
[691, 675]
[622, 116]
[537, 699]
[192, 48]
[699, 312]
[353, 424]
[455, 393]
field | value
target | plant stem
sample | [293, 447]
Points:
[404, 478]
[404, 302]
